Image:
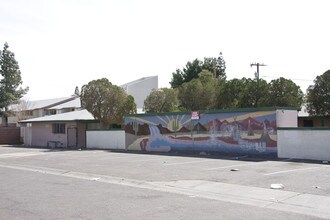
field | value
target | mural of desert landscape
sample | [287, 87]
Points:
[241, 132]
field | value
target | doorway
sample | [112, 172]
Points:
[72, 137]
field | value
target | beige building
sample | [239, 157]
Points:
[66, 130]
[61, 122]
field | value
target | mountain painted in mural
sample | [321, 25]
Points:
[213, 125]
[248, 123]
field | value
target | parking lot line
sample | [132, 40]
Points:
[293, 170]
[187, 162]
[124, 157]
[237, 165]
[154, 159]
[21, 154]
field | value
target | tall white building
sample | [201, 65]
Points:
[140, 89]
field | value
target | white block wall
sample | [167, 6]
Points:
[287, 118]
[105, 139]
[304, 144]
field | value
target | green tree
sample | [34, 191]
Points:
[318, 95]
[246, 93]
[253, 94]
[228, 93]
[189, 95]
[284, 92]
[189, 72]
[10, 84]
[130, 105]
[177, 79]
[107, 102]
[199, 93]
[208, 92]
[216, 66]
[161, 100]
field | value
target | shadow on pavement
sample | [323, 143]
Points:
[196, 154]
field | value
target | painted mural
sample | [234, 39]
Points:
[241, 132]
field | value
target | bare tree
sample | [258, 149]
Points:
[21, 110]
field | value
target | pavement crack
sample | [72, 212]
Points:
[282, 201]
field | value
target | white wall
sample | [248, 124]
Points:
[304, 144]
[112, 139]
[42, 133]
[287, 118]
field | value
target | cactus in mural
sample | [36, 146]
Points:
[135, 128]
[175, 126]
[250, 130]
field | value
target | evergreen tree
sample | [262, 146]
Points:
[10, 84]
[217, 66]
[76, 91]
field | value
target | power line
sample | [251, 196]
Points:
[290, 78]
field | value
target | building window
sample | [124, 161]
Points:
[59, 128]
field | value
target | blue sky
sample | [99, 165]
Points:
[66, 43]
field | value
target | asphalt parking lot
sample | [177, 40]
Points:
[99, 184]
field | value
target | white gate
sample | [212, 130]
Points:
[26, 135]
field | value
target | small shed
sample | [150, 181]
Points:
[67, 130]
[307, 120]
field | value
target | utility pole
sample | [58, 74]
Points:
[257, 77]
[257, 64]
